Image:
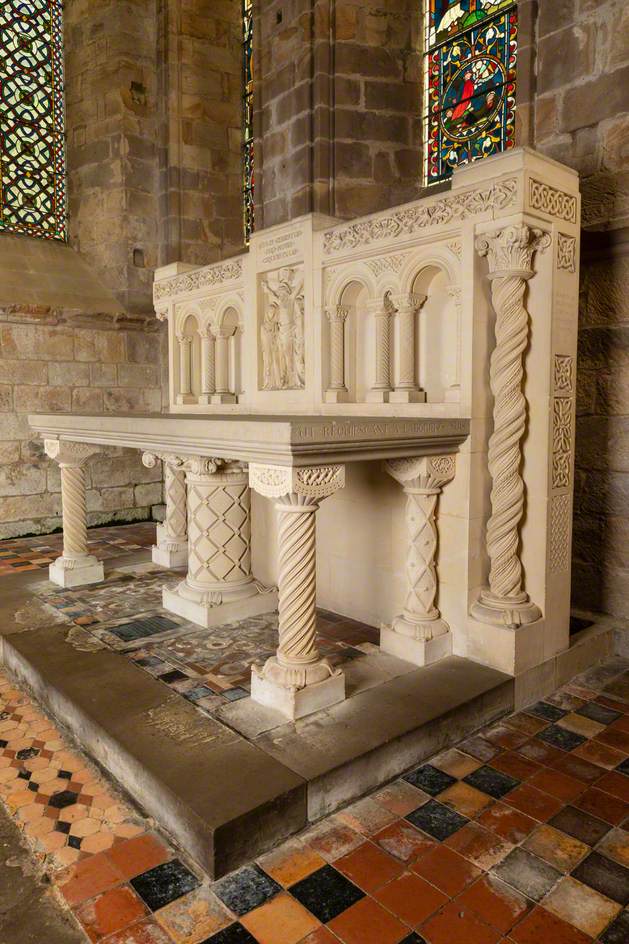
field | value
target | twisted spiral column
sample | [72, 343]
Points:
[75, 567]
[208, 365]
[510, 254]
[297, 664]
[382, 311]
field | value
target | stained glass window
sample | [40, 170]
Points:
[469, 69]
[32, 153]
[247, 137]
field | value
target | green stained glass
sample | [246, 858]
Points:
[32, 152]
[248, 183]
[470, 73]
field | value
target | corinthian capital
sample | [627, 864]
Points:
[510, 250]
[337, 313]
[150, 459]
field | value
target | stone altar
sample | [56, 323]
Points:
[438, 338]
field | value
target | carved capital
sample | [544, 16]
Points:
[208, 465]
[313, 482]
[150, 459]
[337, 314]
[408, 302]
[161, 314]
[426, 473]
[69, 453]
[222, 331]
[184, 340]
[510, 250]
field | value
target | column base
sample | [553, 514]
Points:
[505, 611]
[415, 648]
[76, 573]
[207, 612]
[296, 703]
[223, 398]
[378, 396]
[168, 552]
[182, 398]
[453, 394]
[336, 396]
[407, 396]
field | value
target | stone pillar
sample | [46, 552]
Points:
[223, 393]
[406, 389]
[219, 586]
[76, 566]
[337, 389]
[510, 255]
[382, 312]
[419, 634]
[208, 367]
[453, 393]
[171, 549]
[297, 681]
[185, 368]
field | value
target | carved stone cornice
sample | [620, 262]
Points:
[207, 277]
[314, 482]
[510, 250]
[407, 221]
[427, 473]
[69, 453]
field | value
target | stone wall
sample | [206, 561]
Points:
[582, 119]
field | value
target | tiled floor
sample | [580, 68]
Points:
[207, 668]
[518, 835]
[21, 554]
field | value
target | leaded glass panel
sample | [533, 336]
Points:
[470, 72]
[32, 153]
[247, 146]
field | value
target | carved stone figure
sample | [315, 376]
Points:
[282, 330]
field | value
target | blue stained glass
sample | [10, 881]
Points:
[32, 146]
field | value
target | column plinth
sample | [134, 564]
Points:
[76, 567]
[219, 586]
[510, 254]
[419, 634]
[171, 550]
[297, 680]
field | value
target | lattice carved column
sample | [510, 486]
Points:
[171, 549]
[382, 311]
[337, 390]
[407, 307]
[419, 634]
[223, 394]
[76, 566]
[219, 585]
[297, 681]
[510, 255]
[208, 365]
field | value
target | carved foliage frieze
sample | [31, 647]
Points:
[281, 334]
[410, 220]
[200, 278]
[552, 201]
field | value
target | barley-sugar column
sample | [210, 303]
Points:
[297, 680]
[171, 549]
[76, 566]
[219, 586]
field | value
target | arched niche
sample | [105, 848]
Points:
[229, 322]
[437, 333]
[359, 340]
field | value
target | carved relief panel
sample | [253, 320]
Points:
[281, 330]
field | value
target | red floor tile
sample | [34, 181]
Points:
[532, 802]
[88, 878]
[138, 855]
[542, 927]
[508, 823]
[602, 805]
[411, 898]
[367, 922]
[454, 924]
[446, 870]
[369, 867]
[495, 903]
[111, 911]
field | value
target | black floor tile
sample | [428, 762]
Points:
[326, 893]
[618, 931]
[599, 713]
[430, 779]
[414, 938]
[234, 934]
[560, 737]
[246, 889]
[624, 767]
[548, 712]
[492, 782]
[174, 676]
[607, 877]
[528, 874]
[580, 825]
[437, 820]
[164, 883]
[64, 798]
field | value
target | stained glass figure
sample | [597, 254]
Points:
[470, 71]
[32, 152]
[247, 145]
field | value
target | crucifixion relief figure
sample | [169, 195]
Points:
[282, 330]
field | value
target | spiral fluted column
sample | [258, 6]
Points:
[419, 634]
[382, 311]
[337, 388]
[76, 566]
[171, 549]
[510, 255]
[406, 389]
[297, 681]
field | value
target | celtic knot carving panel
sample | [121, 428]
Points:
[559, 534]
[566, 252]
[552, 201]
[562, 441]
[564, 374]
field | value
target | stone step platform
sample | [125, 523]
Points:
[231, 787]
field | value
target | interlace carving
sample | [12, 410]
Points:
[566, 252]
[559, 534]
[564, 374]
[552, 201]
[562, 441]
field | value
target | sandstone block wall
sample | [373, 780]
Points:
[581, 117]
[49, 363]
